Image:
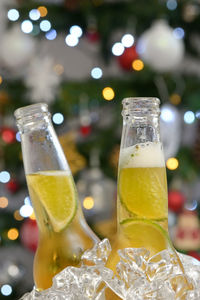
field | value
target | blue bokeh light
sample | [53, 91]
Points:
[34, 14]
[96, 73]
[6, 290]
[4, 176]
[13, 14]
[51, 35]
[58, 118]
[45, 25]
[178, 33]
[171, 4]
[189, 117]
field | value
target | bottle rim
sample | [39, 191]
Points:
[136, 100]
[30, 110]
[141, 106]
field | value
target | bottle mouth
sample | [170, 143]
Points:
[33, 110]
[141, 105]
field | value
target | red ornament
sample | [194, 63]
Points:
[93, 36]
[29, 234]
[85, 130]
[8, 135]
[194, 254]
[175, 201]
[126, 59]
[12, 185]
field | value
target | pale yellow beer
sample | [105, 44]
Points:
[62, 240]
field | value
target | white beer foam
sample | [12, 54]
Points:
[142, 155]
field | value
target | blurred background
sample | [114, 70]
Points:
[82, 58]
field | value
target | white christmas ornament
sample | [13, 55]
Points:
[42, 80]
[159, 47]
[170, 129]
[16, 48]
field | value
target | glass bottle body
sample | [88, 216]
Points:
[63, 232]
[142, 199]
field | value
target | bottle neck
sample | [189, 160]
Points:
[140, 121]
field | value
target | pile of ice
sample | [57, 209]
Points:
[138, 277]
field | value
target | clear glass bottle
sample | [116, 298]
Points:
[63, 232]
[142, 204]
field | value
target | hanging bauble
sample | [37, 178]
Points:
[8, 135]
[29, 234]
[160, 48]
[176, 201]
[16, 49]
[12, 186]
[126, 59]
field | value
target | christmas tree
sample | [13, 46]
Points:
[82, 58]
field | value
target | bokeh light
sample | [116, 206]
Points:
[26, 210]
[4, 176]
[32, 217]
[8, 136]
[13, 234]
[88, 203]
[167, 114]
[59, 69]
[172, 163]
[17, 216]
[18, 136]
[108, 93]
[76, 30]
[1, 79]
[51, 35]
[127, 40]
[96, 73]
[3, 202]
[6, 290]
[197, 114]
[189, 117]
[43, 11]
[172, 4]
[138, 65]
[71, 40]
[13, 270]
[45, 25]
[178, 33]
[27, 26]
[117, 49]
[34, 14]
[13, 14]
[58, 118]
[175, 99]
[27, 201]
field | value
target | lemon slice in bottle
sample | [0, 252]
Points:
[55, 191]
[145, 233]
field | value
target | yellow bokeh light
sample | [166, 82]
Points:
[88, 203]
[32, 217]
[175, 99]
[13, 234]
[1, 79]
[17, 216]
[172, 163]
[137, 65]
[43, 11]
[59, 69]
[3, 202]
[108, 93]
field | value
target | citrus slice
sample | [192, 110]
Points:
[145, 234]
[143, 191]
[55, 191]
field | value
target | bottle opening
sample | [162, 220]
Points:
[142, 105]
[31, 110]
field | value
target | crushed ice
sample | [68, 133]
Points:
[138, 277]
